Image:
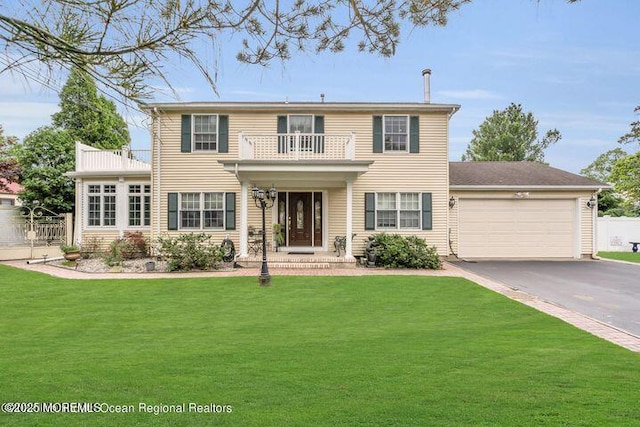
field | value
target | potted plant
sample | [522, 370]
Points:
[71, 252]
[278, 235]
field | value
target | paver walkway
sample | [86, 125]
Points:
[593, 326]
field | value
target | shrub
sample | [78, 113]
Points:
[91, 246]
[190, 252]
[132, 245]
[396, 251]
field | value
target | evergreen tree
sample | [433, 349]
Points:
[89, 117]
[509, 135]
[45, 155]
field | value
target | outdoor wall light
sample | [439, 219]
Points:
[591, 203]
[452, 202]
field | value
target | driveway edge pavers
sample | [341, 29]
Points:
[586, 323]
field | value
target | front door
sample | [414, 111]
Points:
[300, 219]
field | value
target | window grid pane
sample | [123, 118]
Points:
[109, 211]
[94, 210]
[386, 219]
[147, 211]
[190, 219]
[213, 201]
[409, 219]
[109, 189]
[386, 201]
[213, 219]
[205, 132]
[190, 202]
[395, 133]
[135, 210]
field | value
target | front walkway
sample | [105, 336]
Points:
[595, 327]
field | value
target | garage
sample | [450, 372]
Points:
[515, 228]
[520, 210]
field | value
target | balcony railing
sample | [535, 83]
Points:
[91, 159]
[296, 146]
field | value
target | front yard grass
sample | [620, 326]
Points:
[321, 351]
[621, 256]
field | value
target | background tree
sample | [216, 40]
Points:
[634, 133]
[609, 202]
[124, 44]
[45, 155]
[9, 166]
[600, 169]
[626, 177]
[509, 135]
[88, 117]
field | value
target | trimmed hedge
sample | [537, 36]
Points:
[396, 251]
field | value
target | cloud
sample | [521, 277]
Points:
[472, 94]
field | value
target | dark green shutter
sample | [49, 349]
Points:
[369, 211]
[185, 145]
[173, 211]
[377, 134]
[318, 127]
[414, 134]
[230, 211]
[427, 212]
[283, 128]
[223, 134]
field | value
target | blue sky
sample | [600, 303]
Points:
[575, 67]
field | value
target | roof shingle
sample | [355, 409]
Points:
[515, 174]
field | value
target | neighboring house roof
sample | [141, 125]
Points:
[11, 187]
[301, 107]
[489, 175]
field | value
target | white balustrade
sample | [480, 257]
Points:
[296, 146]
[108, 160]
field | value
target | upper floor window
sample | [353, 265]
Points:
[205, 132]
[396, 133]
[101, 205]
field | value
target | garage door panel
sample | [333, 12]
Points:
[510, 228]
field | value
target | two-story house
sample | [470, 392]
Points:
[340, 168]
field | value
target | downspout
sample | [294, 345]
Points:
[594, 228]
[155, 152]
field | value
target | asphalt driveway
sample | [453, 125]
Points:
[606, 291]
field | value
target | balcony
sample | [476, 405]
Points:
[296, 146]
[90, 159]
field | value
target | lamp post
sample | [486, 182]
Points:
[264, 199]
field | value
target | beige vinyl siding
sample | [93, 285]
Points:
[193, 172]
[426, 171]
[578, 201]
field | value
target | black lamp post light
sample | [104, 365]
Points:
[264, 199]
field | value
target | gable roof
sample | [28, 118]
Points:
[486, 175]
[11, 187]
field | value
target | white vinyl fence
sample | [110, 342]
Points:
[614, 234]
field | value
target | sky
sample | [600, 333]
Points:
[574, 66]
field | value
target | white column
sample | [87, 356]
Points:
[348, 250]
[244, 218]
[122, 206]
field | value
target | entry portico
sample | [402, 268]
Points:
[303, 205]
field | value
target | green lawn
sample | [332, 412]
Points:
[621, 256]
[406, 351]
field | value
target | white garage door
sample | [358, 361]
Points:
[515, 228]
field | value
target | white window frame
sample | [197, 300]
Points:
[398, 209]
[194, 133]
[142, 195]
[101, 195]
[384, 134]
[306, 139]
[201, 210]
